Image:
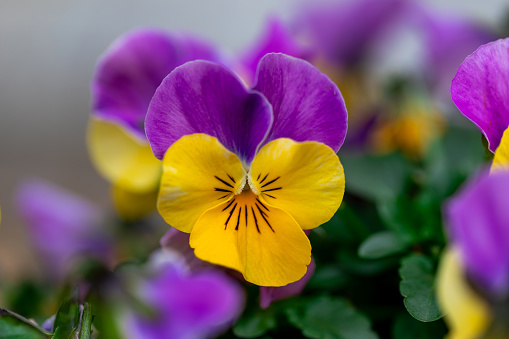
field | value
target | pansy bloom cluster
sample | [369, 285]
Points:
[230, 215]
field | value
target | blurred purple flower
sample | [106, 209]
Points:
[343, 30]
[480, 90]
[478, 220]
[448, 39]
[129, 72]
[197, 305]
[276, 38]
[62, 226]
[270, 294]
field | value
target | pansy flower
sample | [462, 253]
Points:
[246, 171]
[480, 90]
[473, 279]
[63, 227]
[124, 82]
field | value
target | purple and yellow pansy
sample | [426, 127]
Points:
[247, 170]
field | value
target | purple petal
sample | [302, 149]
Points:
[343, 31]
[448, 39]
[128, 74]
[307, 105]
[270, 294]
[478, 220]
[203, 97]
[196, 306]
[480, 89]
[275, 39]
[177, 243]
[62, 225]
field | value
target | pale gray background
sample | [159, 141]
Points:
[48, 50]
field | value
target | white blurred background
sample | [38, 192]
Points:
[48, 49]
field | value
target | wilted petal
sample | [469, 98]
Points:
[129, 72]
[480, 89]
[478, 217]
[197, 306]
[307, 105]
[62, 225]
[270, 294]
[203, 97]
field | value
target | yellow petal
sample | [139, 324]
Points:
[467, 315]
[264, 243]
[132, 205]
[121, 158]
[198, 174]
[501, 158]
[304, 179]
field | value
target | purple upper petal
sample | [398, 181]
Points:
[478, 220]
[129, 72]
[343, 31]
[307, 105]
[270, 294]
[480, 89]
[62, 225]
[196, 306]
[203, 97]
[275, 39]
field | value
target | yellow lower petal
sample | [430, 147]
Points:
[264, 243]
[132, 205]
[198, 174]
[501, 158]
[467, 315]
[121, 158]
[304, 179]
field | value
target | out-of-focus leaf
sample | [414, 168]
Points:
[73, 320]
[329, 277]
[376, 177]
[417, 285]
[380, 245]
[406, 327]
[255, 323]
[14, 326]
[331, 318]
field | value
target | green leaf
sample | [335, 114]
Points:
[255, 324]
[14, 326]
[417, 285]
[381, 245]
[407, 327]
[73, 319]
[331, 318]
[376, 177]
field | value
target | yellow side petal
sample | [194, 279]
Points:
[122, 159]
[132, 205]
[198, 174]
[501, 158]
[467, 315]
[304, 179]
[264, 243]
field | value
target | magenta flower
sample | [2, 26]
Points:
[480, 90]
[62, 226]
[197, 305]
[478, 220]
[246, 171]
